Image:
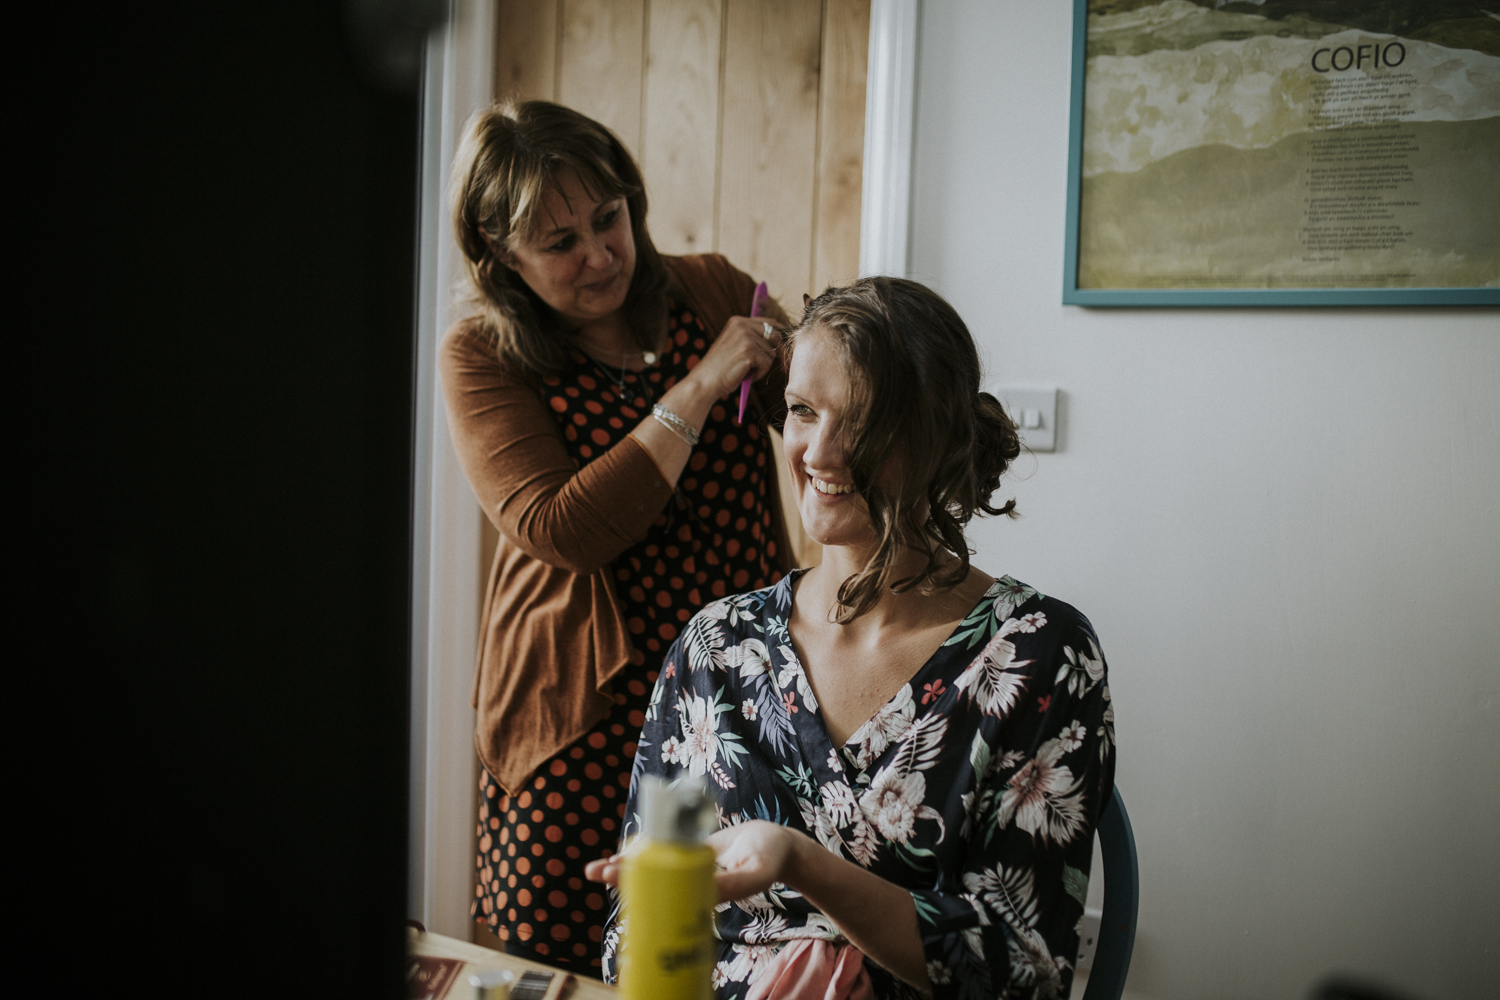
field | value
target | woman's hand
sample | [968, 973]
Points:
[742, 349]
[606, 870]
[751, 857]
[878, 917]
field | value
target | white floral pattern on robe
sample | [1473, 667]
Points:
[977, 787]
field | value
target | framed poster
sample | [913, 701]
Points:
[1284, 152]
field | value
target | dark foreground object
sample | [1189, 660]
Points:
[255, 238]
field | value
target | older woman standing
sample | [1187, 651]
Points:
[592, 395]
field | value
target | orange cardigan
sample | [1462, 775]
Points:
[553, 632]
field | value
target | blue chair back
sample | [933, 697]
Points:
[1122, 899]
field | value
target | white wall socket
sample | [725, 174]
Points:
[1034, 409]
[1088, 939]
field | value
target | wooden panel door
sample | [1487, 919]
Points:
[526, 37]
[769, 143]
[746, 116]
[680, 135]
[600, 63]
[839, 181]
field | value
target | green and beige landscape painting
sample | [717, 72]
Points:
[1290, 144]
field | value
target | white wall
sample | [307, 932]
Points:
[1284, 525]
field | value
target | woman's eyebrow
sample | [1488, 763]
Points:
[556, 229]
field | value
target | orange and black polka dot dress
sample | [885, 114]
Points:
[714, 538]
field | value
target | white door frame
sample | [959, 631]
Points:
[890, 117]
[446, 561]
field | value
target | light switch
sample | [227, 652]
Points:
[1034, 409]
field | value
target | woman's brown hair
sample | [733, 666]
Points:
[511, 153]
[914, 401]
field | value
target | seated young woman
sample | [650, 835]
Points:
[910, 756]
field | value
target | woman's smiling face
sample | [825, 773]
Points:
[582, 256]
[817, 399]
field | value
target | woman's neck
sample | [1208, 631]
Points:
[604, 337]
[608, 341]
[818, 591]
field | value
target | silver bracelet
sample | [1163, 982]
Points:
[675, 424]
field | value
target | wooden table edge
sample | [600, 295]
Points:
[478, 958]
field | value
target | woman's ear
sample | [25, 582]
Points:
[498, 249]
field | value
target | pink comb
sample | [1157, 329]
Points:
[757, 303]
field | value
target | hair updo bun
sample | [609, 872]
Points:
[914, 379]
[997, 442]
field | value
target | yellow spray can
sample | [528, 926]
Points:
[667, 896]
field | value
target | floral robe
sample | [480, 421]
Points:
[977, 787]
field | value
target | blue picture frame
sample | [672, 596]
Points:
[1197, 297]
